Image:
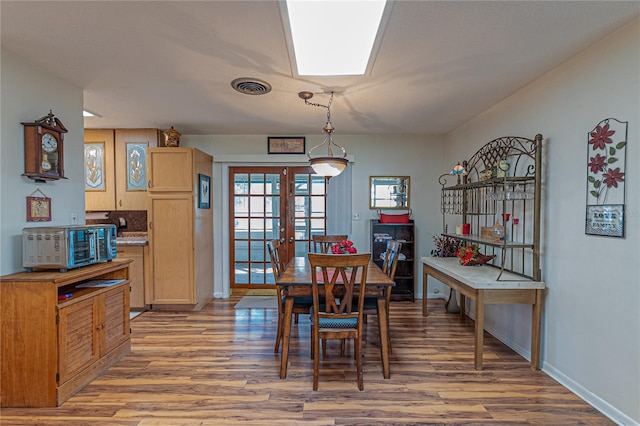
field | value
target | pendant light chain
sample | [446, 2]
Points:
[328, 166]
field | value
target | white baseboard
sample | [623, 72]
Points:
[595, 401]
[590, 398]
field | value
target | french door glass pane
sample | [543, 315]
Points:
[257, 229]
[257, 184]
[242, 253]
[241, 273]
[318, 185]
[257, 251]
[317, 206]
[240, 229]
[241, 206]
[256, 206]
[241, 183]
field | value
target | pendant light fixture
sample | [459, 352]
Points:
[329, 165]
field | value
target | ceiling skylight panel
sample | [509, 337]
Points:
[332, 38]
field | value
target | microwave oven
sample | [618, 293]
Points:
[67, 247]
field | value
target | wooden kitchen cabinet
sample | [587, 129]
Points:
[51, 349]
[99, 167]
[131, 166]
[180, 231]
[116, 167]
[90, 329]
[138, 255]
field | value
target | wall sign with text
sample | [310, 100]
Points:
[606, 171]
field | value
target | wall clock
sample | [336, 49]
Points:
[44, 149]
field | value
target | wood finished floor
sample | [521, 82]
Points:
[217, 366]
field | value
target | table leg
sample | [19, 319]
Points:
[479, 337]
[536, 318]
[286, 335]
[463, 304]
[383, 328]
[425, 280]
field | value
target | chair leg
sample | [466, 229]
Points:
[313, 342]
[388, 333]
[295, 318]
[316, 359]
[358, 356]
[279, 331]
[324, 347]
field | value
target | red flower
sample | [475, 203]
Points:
[601, 136]
[612, 177]
[467, 254]
[344, 247]
[597, 163]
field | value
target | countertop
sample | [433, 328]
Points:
[480, 277]
[133, 239]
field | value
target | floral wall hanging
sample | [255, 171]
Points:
[606, 169]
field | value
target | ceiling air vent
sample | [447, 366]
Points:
[251, 86]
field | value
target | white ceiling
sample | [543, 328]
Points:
[170, 63]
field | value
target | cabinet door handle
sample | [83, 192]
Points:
[149, 184]
[120, 202]
[150, 225]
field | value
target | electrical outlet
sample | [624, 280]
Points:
[73, 218]
[356, 215]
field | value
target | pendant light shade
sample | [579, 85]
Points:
[326, 165]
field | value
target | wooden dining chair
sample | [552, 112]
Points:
[323, 243]
[338, 315]
[301, 305]
[389, 265]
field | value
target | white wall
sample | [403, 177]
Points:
[591, 328]
[28, 93]
[421, 158]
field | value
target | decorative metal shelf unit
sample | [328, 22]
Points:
[487, 195]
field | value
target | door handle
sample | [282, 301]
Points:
[291, 239]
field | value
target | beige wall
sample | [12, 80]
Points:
[28, 93]
[591, 329]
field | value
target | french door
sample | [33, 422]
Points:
[266, 203]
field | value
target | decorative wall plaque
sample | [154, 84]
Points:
[606, 170]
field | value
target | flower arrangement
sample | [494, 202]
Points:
[445, 246]
[467, 253]
[344, 247]
[471, 256]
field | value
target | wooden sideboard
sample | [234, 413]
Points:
[52, 348]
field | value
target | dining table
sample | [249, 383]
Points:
[296, 280]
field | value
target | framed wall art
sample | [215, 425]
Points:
[286, 145]
[606, 172]
[204, 191]
[38, 208]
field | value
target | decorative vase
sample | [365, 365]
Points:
[480, 259]
[451, 305]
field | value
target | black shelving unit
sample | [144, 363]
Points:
[405, 271]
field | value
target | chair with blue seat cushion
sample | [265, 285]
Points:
[301, 305]
[389, 265]
[339, 315]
